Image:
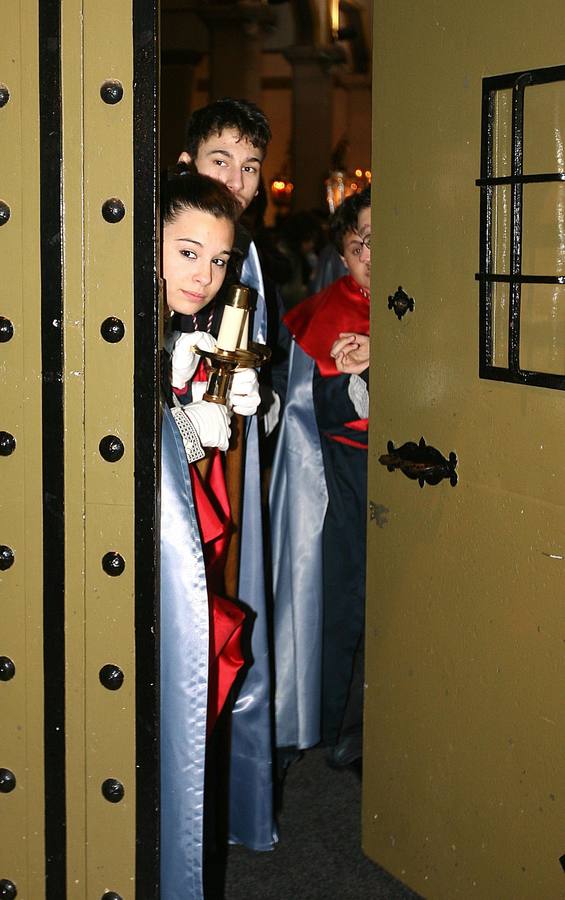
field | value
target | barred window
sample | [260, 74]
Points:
[522, 229]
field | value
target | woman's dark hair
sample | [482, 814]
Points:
[188, 190]
[242, 115]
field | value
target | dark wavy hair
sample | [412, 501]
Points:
[242, 115]
[363, 199]
[345, 217]
[186, 189]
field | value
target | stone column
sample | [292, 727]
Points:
[183, 43]
[177, 81]
[358, 87]
[236, 46]
[312, 115]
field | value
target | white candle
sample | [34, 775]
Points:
[244, 339]
[234, 327]
[231, 328]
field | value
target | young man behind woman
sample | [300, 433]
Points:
[228, 140]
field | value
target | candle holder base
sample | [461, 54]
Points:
[223, 363]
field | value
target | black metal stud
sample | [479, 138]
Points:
[4, 95]
[4, 212]
[6, 557]
[113, 564]
[8, 890]
[6, 330]
[7, 668]
[7, 443]
[113, 210]
[111, 677]
[7, 781]
[112, 330]
[111, 448]
[112, 91]
[111, 895]
[113, 790]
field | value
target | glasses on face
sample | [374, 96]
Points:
[366, 241]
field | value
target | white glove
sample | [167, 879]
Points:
[211, 421]
[198, 389]
[244, 392]
[184, 359]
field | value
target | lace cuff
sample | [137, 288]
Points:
[359, 396]
[189, 435]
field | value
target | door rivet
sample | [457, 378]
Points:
[8, 890]
[6, 330]
[112, 91]
[4, 212]
[7, 781]
[112, 330]
[7, 443]
[113, 564]
[6, 557]
[113, 210]
[7, 668]
[111, 677]
[111, 448]
[113, 790]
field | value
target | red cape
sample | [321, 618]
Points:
[316, 322]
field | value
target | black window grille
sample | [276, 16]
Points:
[488, 183]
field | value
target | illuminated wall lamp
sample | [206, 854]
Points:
[281, 191]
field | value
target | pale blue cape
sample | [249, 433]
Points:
[298, 501]
[184, 665]
[251, 767]
[184, 675]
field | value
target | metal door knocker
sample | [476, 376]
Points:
[420, 462]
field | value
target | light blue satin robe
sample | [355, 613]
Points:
[298, 502]
[184, 675]
[251, 767]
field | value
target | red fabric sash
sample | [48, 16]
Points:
[342, 439]
[226, 619]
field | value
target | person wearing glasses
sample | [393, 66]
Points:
[351, 351]
[318, 504]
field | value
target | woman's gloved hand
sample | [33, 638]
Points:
[244, 392]
[211, 422]
[184, 359]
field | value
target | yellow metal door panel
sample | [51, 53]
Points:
[79, 414]
[22, 847]
[464, 792]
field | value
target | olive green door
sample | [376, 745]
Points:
[464, 789]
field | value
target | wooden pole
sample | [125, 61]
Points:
[235, 458]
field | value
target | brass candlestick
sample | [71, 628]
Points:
[232, 348]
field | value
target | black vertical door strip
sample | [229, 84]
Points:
[52, 445]
[146, 430]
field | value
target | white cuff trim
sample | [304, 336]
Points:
[359, 396]
[189, 435]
